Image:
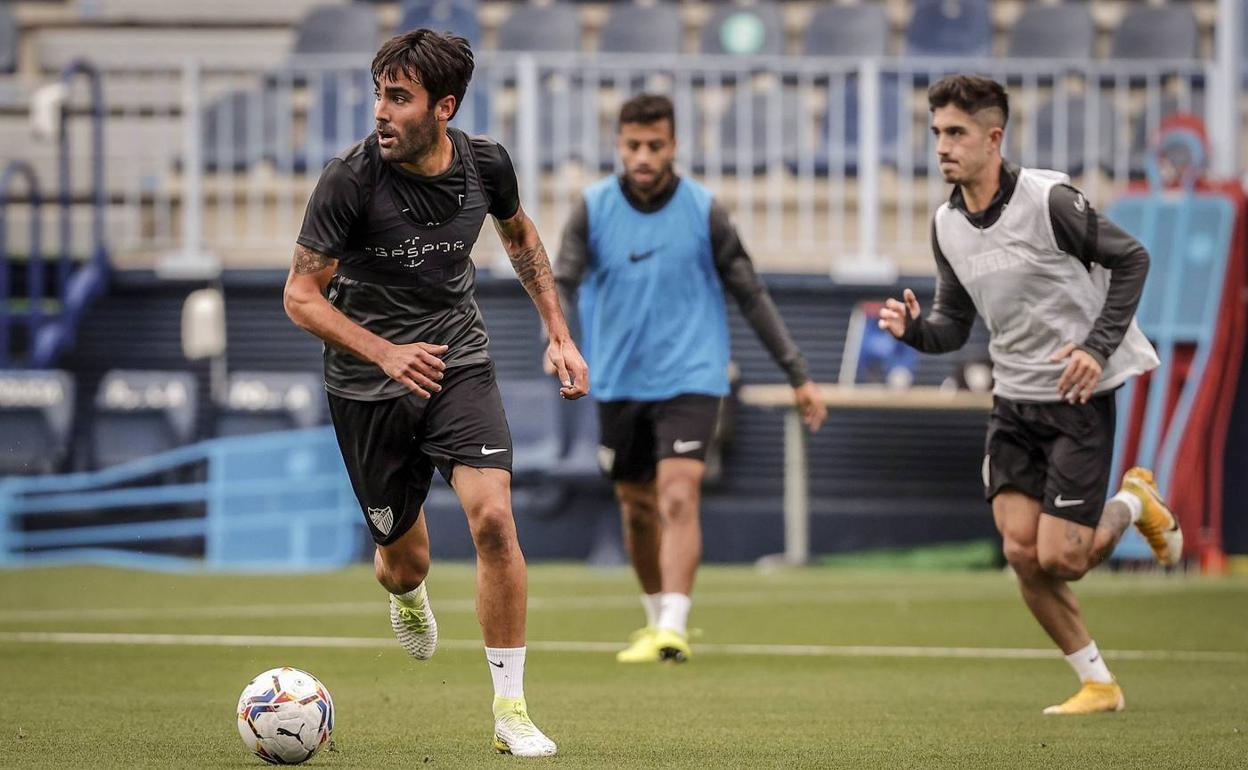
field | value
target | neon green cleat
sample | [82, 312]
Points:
[640, 648]
[414, 625]
[515, 733]
[672, 647]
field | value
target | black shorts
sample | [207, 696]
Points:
[635, 435]
[391, 447]
[1058, 453]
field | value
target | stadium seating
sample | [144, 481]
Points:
[847, 30]
[1156, 32]
[140, 413]
[1043, 125]
[579, 435]
[632, 28]
[744, 30]
[534, 422]
[1063, 31]
[36, 415]
[846, 144]
[553, 27]
[950, 28]
[338, 29]
[766, 144]
[458, 16]
[239, 130]
[260, 402]
[8, 40]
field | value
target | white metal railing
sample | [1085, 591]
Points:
[826, 163]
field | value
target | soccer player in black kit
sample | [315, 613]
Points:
[383, 274]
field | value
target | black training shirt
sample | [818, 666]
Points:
[403, 244]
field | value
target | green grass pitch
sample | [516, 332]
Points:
[820, 667]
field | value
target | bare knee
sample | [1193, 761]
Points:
[679, 503]
[1065, 565]
[493, 530]
[1022, 558]
[400, 572]
[639, 510]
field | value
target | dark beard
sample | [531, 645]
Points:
[414, 144]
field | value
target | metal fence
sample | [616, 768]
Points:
[826, 163]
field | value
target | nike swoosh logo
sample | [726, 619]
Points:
[1060, 503]
[682, 447]
[1095, 658]
[492, 663]
[633, 257]
[486, 451]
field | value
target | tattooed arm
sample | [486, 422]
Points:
[528, 258]
[417, 365]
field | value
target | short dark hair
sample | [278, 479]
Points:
[648, 108]
[970, 93]
[442, 63]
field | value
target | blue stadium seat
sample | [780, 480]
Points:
[261, 402]
[553, 27]
[1043, 126]
[140, 413]
[846, 143]
[632, 28]
[579, 422]
[744, 30]
[847, 30]
[8, 40]
[1053, 32]
[952, 28]
[531, 414]
[239, 130]
[1156, 32]
[36, 414]
[458, 16]
[344, 103]
[761, 150]
[338, 29]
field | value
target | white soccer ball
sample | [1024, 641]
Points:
[285, 716]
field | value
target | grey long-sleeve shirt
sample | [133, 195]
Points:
[732, 262]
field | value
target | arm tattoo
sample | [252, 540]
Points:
[309, 261]
[532, 267]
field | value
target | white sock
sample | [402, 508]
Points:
[652, 604]
[1089, 664]
[1132, 502]
[674, 612]
[507, 670]
[412, 597]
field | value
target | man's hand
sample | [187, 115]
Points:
[569, 367]
[1082, 374]
[893, 314]
[810, 405]
[416, 366]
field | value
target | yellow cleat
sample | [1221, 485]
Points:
[672, 647]
[641, 648]
[1157, 524]
[1092, 698]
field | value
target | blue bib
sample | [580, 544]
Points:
[653, 321]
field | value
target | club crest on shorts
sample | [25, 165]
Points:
[382, 518]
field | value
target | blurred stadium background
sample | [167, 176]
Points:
[157, 409]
